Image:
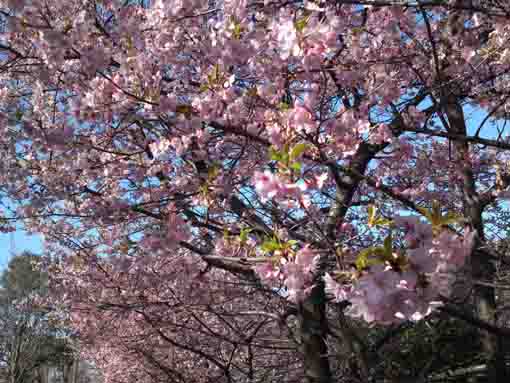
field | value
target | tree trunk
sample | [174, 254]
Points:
[312, 312]
[313, 329]
[481, 266]
[43, 373]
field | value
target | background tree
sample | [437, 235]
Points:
[29, 342]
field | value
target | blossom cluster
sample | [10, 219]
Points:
[410, 286]
[296, 272]
[405, 286]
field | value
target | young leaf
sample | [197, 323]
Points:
[301, 24]
[213, 172]
[270, 245]
[283, 106]
[296, 166]
[436, 218]
[372, 210]
[388, 248]
[243, 236]
[298, 150]
[275, 155]
[369, 257]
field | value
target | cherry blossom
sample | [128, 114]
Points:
[202, 172]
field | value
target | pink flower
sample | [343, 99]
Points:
[301, 118]
[287, 39]
[321, 179]
[421, 260]
[452, 250]
[267, 184]
[416, 231]
[295, 283]
[307, 259]
[333, 288]
[267, 271]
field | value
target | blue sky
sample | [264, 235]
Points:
[22, 241]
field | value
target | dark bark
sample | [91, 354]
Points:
[313, 331]
[481, 265]
[311, 315]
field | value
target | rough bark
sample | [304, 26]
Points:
[481, 266]
[311, 315]
[313, 329]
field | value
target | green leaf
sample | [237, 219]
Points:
[283, 106]
[369, 257]
[275, 155]
[203, 88]
[372, 210]
[357, 30]
[214, 76]
[298, 150]
[270, 246]
[213, 172]
[296, 166]
[388, 244]
[451, 218]
[436, 218]
[383, 222]
[236, 33]
[184, 109]
[375, 255]
[301, 24]
[243, 236]
[374, 220]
